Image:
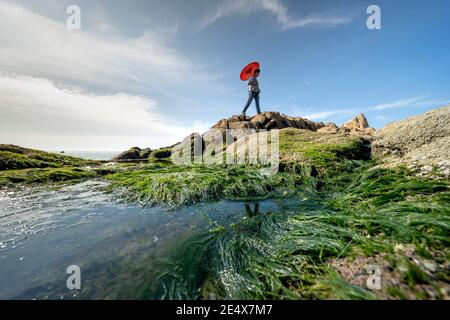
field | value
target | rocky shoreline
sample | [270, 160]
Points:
[365, 197]
[422, 142]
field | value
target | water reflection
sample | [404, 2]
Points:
[248, 210]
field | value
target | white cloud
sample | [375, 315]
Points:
[63, 88]
[36, 45]
[38, 112]
[328, 113]
[407, 103]
[275, 8]
[399, 104]
[403, 103]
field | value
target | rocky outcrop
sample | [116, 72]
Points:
[134, 154]
[138, 154]
[358, 125]
[162, 153]
[330, 127]
[237, 126]
[274, 120]
[267, 121]
[231, 129]
[422, 142]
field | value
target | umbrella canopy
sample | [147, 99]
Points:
[247, 72]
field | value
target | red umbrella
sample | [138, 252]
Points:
[247, 72]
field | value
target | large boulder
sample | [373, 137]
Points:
[329, 128]
[358, 125]
[145, 153]
[160, 154]
[134, 154]
[359, 122]
[420, 141]
[299, 148]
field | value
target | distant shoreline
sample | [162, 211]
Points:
[104, 155]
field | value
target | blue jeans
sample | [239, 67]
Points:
[252, 95]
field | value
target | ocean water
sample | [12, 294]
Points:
[92, 155]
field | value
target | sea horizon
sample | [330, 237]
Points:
[89, 154]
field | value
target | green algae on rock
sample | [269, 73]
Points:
[43, 175]
[303, 154]
[300, 254]
[180, 185]
[14, 157]
[324, 152]
[23, 165]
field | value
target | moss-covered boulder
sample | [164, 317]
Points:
[321, 152]
[138, 154]
[161, 154]
[133, 154]
[145, 153]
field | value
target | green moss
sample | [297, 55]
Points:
[288, 256]
[22, 165]
[43, 175]
[335, 287]
[357, 209]
[14, 157]
[325, 153]
[145, 153]
[10, 160]
[159, 154]
[377, 186]
[179, 185]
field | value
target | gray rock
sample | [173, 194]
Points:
[421, 142]
[267, 121]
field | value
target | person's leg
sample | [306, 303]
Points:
[250, 98]
[258, 110]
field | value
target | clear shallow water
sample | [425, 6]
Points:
[124, 251]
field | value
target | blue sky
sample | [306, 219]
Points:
[148, 73]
